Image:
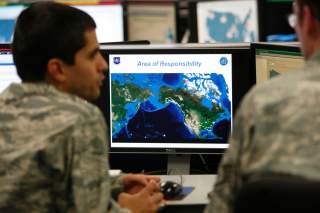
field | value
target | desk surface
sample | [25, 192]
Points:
[202, 184]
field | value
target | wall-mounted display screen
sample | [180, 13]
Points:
[109, 20]
[155, 22]
[227, 21]
[8, 16]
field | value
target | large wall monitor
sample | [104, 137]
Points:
[107, 15]
[8, 16]
[227, 21]
[154, 21]
[109, 20]
[273, 20]
[275, 59]
[8, 73]
[174, 100]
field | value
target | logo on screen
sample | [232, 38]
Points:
[223, 61]
[116, 60]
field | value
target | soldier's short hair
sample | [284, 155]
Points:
[313, 4]
[47, 30]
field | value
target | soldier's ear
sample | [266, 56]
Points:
[55, 71]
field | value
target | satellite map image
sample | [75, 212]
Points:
[155, 106]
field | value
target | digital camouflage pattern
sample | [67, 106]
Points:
[53, 153]
[276, 130]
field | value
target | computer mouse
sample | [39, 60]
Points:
[170, 189]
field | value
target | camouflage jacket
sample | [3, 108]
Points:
[276, 130]
[53, 153]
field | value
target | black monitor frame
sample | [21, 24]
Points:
[280, 48]
[241, 83]
[126, 4]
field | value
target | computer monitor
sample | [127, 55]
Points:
[108, 17]
[273, 20]
[173, 100]
[155, 21]
[275, 59]
[227, 21]
[8, 73]
[8, 16]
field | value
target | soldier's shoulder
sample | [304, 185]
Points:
[74, 105]
[274, 90]
[279, 86]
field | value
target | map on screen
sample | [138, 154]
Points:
[180, 100]
[192, 102]
[227, 21]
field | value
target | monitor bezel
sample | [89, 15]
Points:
[238, 93]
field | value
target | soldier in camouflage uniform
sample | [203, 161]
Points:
[276, 129]
[53, 143]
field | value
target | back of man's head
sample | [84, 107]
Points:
[313, 4]
[47, 30]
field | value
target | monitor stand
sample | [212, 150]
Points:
[178, 164]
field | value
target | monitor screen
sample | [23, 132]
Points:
[227, 21]
[8, 16]
[152, 21]
[161, 100]
[273, 20]
[8, 73]
[272, 60]
[109, 20]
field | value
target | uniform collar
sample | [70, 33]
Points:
[18, 90]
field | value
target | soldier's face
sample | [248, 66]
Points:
[85, 76]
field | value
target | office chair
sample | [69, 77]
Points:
[278, 194]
